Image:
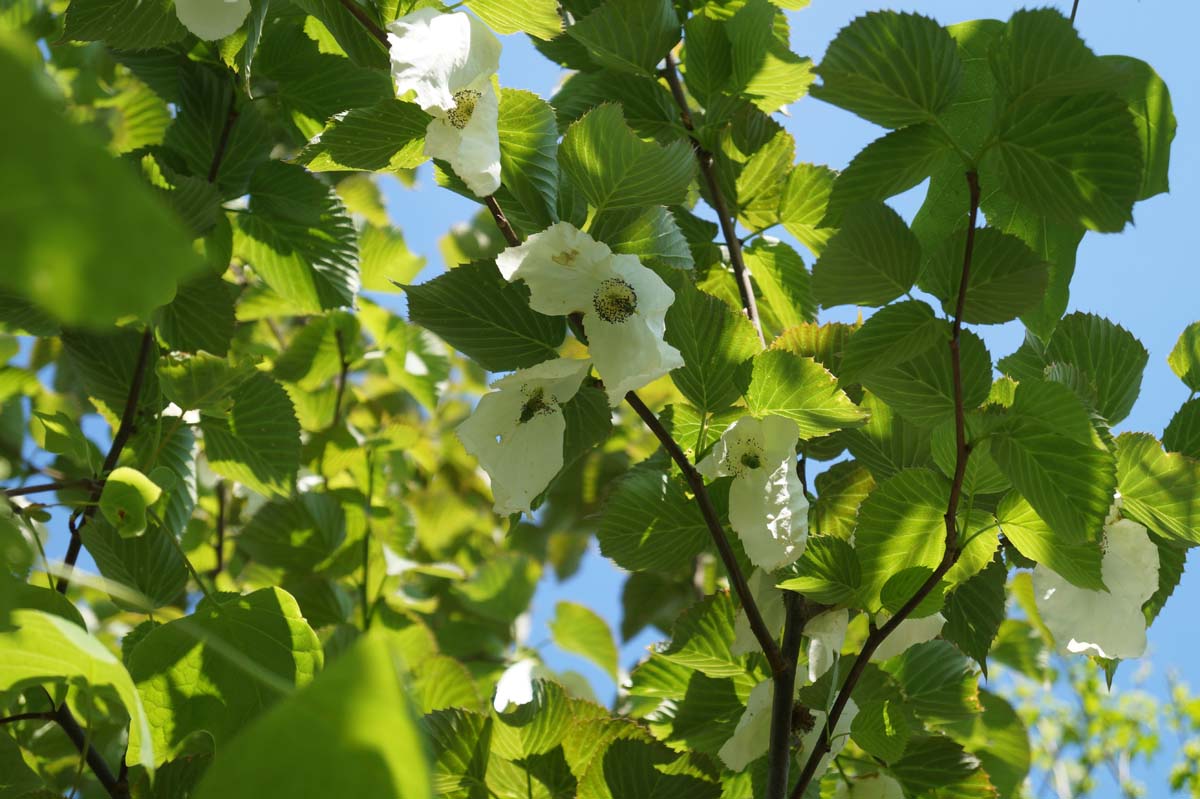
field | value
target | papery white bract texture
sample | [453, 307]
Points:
[841, 731]
[908, 633]
[767, 506]
[212, 19]
[752, 737]
[447, 61]
[826, 633]
[515, 685]
[769, 600]
[876, 786]
[516, 432]
[1110, 623]
[624, 304]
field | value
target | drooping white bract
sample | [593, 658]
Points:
[837, 742]
[875, 786]
[826, 633]
[212, 19]
[769, 600]
[624, 304]
[447, 61]
[515, 686]
[907, 634]
[767, 506]
[516, 432]
[752, 736]
[1109, 623]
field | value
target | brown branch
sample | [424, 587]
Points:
[728, 230]
[502, 222]
[779, 756]
[1074, 11]
[42, 715]
[57, 485]
[231, 115]
[736, 579]
[219, 489]
[115, 788]
[120, 439]
[952, 551]
[371, 25]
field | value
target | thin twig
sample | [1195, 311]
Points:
[231, 115]
[371, 25]
[1074, 10]
[952, 550]
[219, 490]
[343, 371]
[44, 715]
[779, 757]
[57, 485]
[502, 222]
[728, 229]
[736, 579]
[120, 439]
[114, 787]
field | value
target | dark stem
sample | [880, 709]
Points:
[371, 25]
[58, 485]
[42, 715]
[506, 229]
[231, 115]
[114, 787]
[877, 635]
[728, 229]
[1074, 10]
[779, 756]
[341, 379]
[120, 439]
[736, 579]
[220, 542]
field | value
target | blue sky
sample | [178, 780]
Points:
[1145, 278]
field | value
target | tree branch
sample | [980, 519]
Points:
[371, 25]
[1074, 11]
[779, 755]
[950, 556]
[115, 788]
[219, 489]
[120, 439]
[502, 222]
[231, 115]
[343, 371]
[57, 485]
[728, 229]
[42, 715]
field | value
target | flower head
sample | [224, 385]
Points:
[516, 432]
[907, 634]
[447, 61]
[826, 633]
[1109, 623]
[767, 506]
[623, 303]
[212, 19]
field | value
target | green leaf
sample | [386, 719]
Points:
[886, 167]
[42, 648]
[1007, 279]
[802, 390]
[1075, 554]
[385, 260]
[701, 638]
[840, 490]
[1055, 459]
[893, 335]
[125, 498]
[903, 586]
[887, 443]
[200, 381]
[480, 314]
[652, 234]
[348, 30]
[219, 668]
[201, 317]
[124, 24]
[805, 203]
[19, 779]
[786, 286]
[300, 238]
[88, 258]
[628, 35]
[644, 769]
[576, 628]
[258, 441]
[1183, 433]
[828, 572]
[649, 524]
[389, 135]
[1075, 159]
[149, 564]
[295, 534]
[873, 259]
[921, 389]
[872, 68]
[528, 144]
[106, 363]
[1159, 489]
[1184, 359]
[459, 742]
[882, 729]
[1150, 104]
[716, 345]
[758, 189]
[998, 738]
[707, 57]
[764, 69]
[502, 587]
[300, 749]
[974, 612]
[615, 169]
[536, 17]
[1109, 357]
[932, 763]
[1041, 55]
[900, 525]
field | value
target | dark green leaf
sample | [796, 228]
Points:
[716, 345]
[873, 259]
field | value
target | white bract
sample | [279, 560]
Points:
[1109, 623]
[752, 737]
[826, 633]
[447, 61]
[767, 506]
[908, 633]
[624, 304]
[516, 432]
[769, 600]
[515, 686]
[212, 19]
[841, 731]
[876, 786]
